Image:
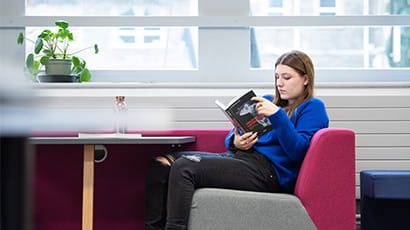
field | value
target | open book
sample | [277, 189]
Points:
[242, 113]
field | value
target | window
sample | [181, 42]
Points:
[336, 47]
[327, 3]
[327, 7]
[342, 7]
[224, 41]
[111, 8]
[357, 46]
[129, 47]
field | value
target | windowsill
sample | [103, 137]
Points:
[214, 85]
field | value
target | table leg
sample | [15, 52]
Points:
[88, 187]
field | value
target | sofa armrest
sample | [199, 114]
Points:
[326, 182]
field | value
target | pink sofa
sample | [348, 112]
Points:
[325, 186]
[326, 182]
[324, 197]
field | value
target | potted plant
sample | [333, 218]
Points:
[51, 51]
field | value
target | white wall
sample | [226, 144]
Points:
[378, 113]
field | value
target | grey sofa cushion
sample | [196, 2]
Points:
[223, 209]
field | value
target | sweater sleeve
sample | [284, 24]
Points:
[228, 139]
[294, 138]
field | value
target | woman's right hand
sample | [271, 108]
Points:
[245, 141]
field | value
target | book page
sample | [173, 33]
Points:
[220, 104]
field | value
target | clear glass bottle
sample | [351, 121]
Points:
[120, 113]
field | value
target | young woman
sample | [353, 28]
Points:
[269, 163]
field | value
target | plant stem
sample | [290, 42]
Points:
[28, 39]
[53, 48]
[65, 48]
[79, 51]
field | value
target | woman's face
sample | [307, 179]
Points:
[289, 83]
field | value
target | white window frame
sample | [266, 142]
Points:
[225, 61]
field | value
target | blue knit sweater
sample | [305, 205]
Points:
[287, 143]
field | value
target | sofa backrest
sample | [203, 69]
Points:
[326, 181]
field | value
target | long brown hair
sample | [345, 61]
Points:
[303, 65]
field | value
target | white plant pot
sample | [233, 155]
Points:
[59, 67]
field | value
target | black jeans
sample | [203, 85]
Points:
[169, 190]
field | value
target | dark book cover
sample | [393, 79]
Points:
[241, 111]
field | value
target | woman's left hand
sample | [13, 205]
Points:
[245, 141]
[265, 107]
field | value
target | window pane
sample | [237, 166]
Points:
[330, 7]
[276, 3]
[327, 3]
[112, 7]
[335, 47]
[133, 47]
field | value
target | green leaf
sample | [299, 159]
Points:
[20, 38]
[79, 62]
[76, 70]
[32, 66]
[62, 24]
[38, 46]
[76, 61]
[85, 75]
[36, 68]
[48, 52]
[44, 60]
[46, 35]
[30, 61]
[62, 33]
[96, 50]
[70, 36]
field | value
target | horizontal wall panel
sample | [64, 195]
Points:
[382, 165]
[394, 101]
[382, 140]
[383, 153]
[203, 125]
[168, 101]
[208, 101]
[374, 127]
[369, 114]
[200, 114]
[216, 113]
